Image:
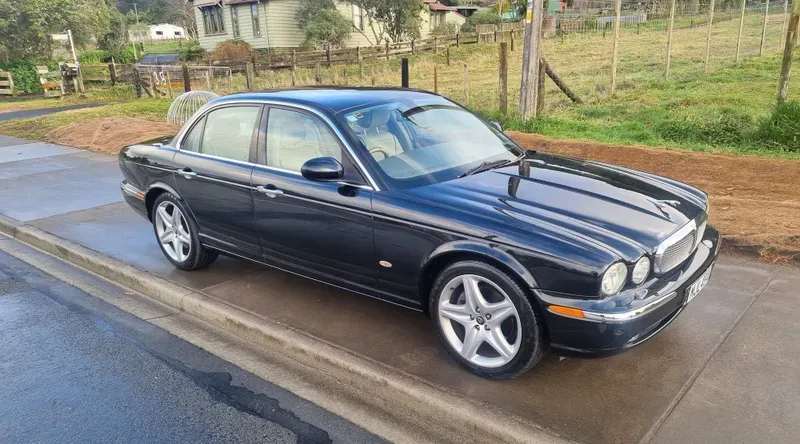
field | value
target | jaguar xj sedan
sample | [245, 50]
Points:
[406, 196]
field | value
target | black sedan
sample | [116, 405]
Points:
[406, 196]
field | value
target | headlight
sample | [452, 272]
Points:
[614, 279]
[640, 270]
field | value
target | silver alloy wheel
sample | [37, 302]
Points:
[173, 231]
[486, 315]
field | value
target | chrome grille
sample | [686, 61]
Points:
[676, 253]
[678, 247]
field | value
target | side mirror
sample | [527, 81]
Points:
[323, 169]
[496, 125]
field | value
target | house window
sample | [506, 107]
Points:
[178, 33]
[358, 18]
[213, 21]
[235, 21]
[256, 20]
[159, 32]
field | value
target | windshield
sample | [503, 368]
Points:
[420, 142]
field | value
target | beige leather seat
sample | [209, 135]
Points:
[375, 135]
[224, 137]
[297, 140]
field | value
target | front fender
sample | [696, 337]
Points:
[492, 252]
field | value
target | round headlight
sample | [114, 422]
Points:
[640, 270]
[614, 279]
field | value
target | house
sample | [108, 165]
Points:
[272, 24]
[161, 31]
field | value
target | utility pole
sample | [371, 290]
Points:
[530, 59]
[791, 42]
[136, 12]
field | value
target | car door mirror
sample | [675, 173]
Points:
[496, 125]
[323, 169]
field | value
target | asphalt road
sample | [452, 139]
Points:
[75, 369]
[28, 113]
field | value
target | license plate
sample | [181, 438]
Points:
[698, 285]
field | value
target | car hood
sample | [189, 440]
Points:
[600, 206]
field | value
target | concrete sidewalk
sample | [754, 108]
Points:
[724, 371]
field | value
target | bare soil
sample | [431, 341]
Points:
[109, 134]
[755, 201]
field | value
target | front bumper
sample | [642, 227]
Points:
[615, 324]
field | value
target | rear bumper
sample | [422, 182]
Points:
[625, 320]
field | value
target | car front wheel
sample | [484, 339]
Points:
[177, 236]
[485, 320]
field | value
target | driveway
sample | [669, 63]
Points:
[724, 371]
[28, 113]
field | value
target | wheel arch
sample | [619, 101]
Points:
[452, 252]
[152, 194]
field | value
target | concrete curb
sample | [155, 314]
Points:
[444, 415]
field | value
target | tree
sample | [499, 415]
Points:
[395, 20]
[26, 26]
[480, 18]
[322, 23]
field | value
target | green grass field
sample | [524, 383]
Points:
[720, 110]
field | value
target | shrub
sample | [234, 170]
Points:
[782, 128]
[480, 18]
[444, 29]
[327, 27]
[233, 50]
[94, 57]
[192, 52]
[24, 73]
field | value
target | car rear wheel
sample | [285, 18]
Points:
[176, 234]
[485, 320]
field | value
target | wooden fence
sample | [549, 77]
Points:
[6, 83]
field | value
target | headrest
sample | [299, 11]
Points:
[375, 118]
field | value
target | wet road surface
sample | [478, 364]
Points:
[28, 113]
[725, 368]
[75, 369]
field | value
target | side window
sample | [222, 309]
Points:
[192, 140]
[228, 132]
[294, 137]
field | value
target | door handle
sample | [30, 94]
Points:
[187, 173]
[269, 192]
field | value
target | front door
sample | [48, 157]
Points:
[318, 229]
[213, 169]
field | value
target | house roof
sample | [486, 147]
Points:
[201, 3]
[236, 2]
[436, 6]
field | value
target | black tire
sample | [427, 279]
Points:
[531, 348]
[199, 256]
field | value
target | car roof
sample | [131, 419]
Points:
[334, 99]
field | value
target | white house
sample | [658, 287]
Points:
[161, 31]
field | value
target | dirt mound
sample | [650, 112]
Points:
[754, 200]
[109, 134]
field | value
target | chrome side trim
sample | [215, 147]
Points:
[169, 170]
[625, 316]
[131, 190]
[210, 107]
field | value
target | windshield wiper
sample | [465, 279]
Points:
[483, 167]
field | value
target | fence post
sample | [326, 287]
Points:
[458, 39]
[255, 65]
[187, 81]
[387, 49]
[764, 29]
[294, 60]
[540, 88]
[435, 45]
[373, 76]
[436, 79]
[209, 75]
[530, 59]
[137, 82]
[346, 82]
[708, 36]
[786, 62]
[413, 47]
[169, 85]
[503, 79]
[741, 27]
[249, 76]
[466, 86]
[512, 40]
[294, 79]
[328, 55]
[785, 20]
[669, 37]
[360, 64]
[615, 48]
[318, 74]
[404, 72]
[112, 72]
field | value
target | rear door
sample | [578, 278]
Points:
[319, 229]
[213, 169]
